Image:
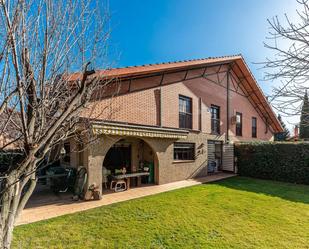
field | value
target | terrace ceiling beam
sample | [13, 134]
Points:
[162, 78]
[130, 82]
[254, 92]
[204, 73]
[185, 77]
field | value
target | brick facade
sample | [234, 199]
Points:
[143, 106]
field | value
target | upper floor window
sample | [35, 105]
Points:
[215, 119]
[254, 127]
[238, 124]
[185, 112]
[184, 151]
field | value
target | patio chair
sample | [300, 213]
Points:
[121, 185]
[212, 166]
[105, 174]
[113, 180]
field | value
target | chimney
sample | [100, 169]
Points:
[296, 131]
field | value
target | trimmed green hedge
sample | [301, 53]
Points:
[287, 162]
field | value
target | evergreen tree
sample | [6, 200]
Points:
[304, 119]
[282, 136]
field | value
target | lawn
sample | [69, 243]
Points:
[235, 213]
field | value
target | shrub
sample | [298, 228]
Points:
[287, 162]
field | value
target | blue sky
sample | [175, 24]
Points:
[155, 31]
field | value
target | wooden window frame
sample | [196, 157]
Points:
[254, 127]
[185, 118]
[239, 125]
[188, 155]
[215, 122]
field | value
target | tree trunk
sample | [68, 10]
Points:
[7, 237]
[12, 203]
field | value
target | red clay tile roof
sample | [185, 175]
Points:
[238, 65]
[159, 67]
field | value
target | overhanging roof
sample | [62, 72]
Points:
[156, 68]
[118, 129]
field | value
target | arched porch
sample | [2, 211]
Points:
[110, 154]
[130, 155]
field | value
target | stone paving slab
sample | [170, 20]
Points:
[37, 213]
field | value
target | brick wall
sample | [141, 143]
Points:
[143, 106]
[138, 107]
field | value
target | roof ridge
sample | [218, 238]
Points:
[172, 62]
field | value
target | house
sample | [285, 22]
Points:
[174, 118]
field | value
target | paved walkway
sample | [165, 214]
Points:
[46, 210]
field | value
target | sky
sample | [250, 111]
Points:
[154, 31]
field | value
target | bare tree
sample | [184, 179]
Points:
[289, 41]
[41, 43]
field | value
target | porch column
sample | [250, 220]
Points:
[95, 161]
[95, 158]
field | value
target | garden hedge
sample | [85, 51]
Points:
[287, 162]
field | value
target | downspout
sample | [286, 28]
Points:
[200, 114]
[228, 106]
[160, 106]
[161, 98]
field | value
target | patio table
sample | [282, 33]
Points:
[127, 177]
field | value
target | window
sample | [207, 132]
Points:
[184, 151]
[238, 124]
[254, 125]
[185, 112]
[215, 119]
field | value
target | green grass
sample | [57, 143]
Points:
[234, 213]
